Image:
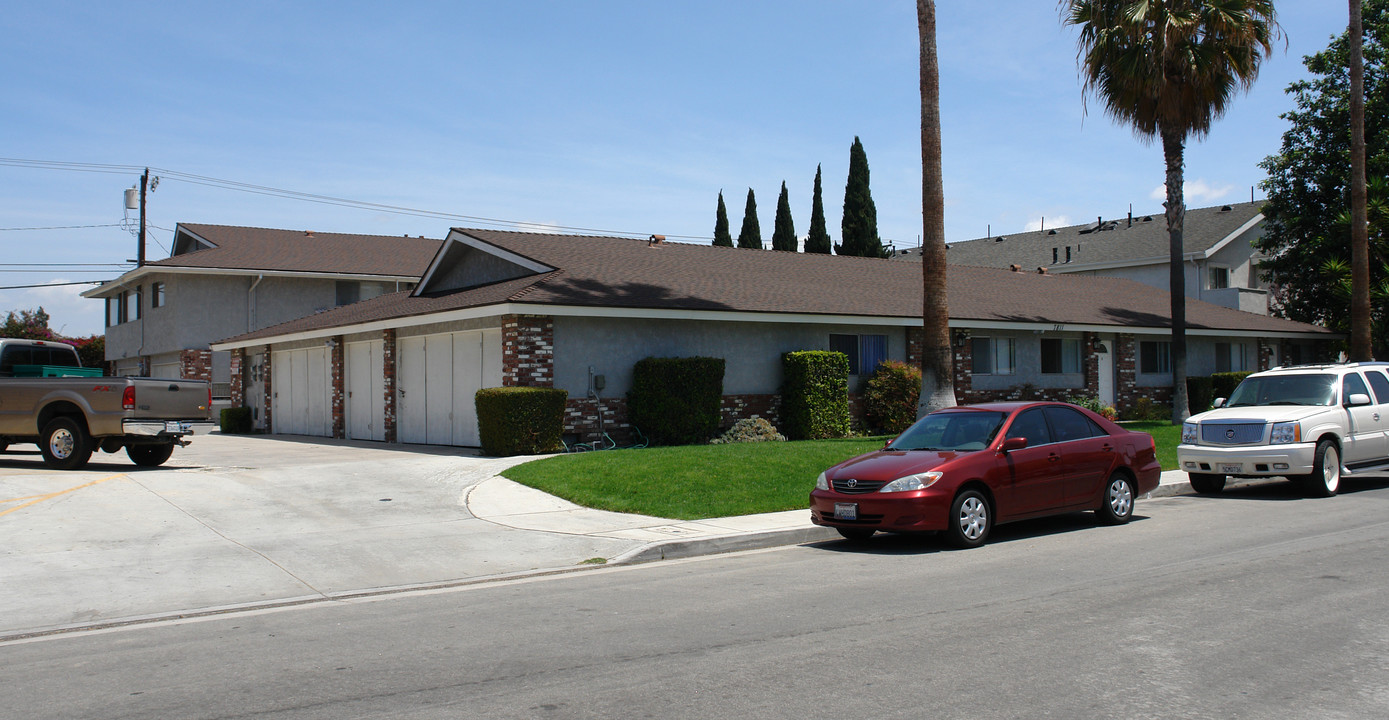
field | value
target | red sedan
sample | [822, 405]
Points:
[965, 469]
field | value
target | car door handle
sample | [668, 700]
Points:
[1053, 457]
[1107, 447]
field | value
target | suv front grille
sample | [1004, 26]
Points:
[856, 487]
[1245, 433]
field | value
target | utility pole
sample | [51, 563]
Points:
[144, 185]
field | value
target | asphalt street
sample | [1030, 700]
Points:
[1258, 603]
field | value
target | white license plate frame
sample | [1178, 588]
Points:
[846, 511]
[1231, 468]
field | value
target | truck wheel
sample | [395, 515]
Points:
[1206, 483]
[65, 444]
[1325, 479]
[149, 455]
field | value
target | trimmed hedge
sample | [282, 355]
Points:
[237, 421]
[1223, 384]
[1198, 394]
[815, 395]
[676, 401]
[520, 420]
[890, 397]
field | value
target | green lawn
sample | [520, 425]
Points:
[693, 481]
[703, 481]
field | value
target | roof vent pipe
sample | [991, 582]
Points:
[655, 240]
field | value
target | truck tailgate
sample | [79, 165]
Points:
[171, 399]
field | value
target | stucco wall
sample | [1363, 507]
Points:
[752, 350]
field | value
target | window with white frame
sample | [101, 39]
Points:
[1060, 355]
[157, 295]
[993, 355]
[1154, 357]
[130, 302]
[1231, 357]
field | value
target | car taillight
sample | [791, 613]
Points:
[128, 398]
[209, 397]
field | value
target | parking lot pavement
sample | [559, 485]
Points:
[234, 521]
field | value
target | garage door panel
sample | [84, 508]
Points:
[438, 362]
[366, 401]
[412, 388]
[467, 374]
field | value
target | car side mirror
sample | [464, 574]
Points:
[1219, 403]
[1013, 443]
[888, 445]
[1357, 399]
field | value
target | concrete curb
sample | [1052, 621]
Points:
[674, 549]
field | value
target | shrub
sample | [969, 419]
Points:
[1223, 384]
[815, 394]
[753, 429]
[1145, 409]
[520, 420]
[1093, 404]
[1198, 393]
[237, 421]
[676, 401]
[890, 397]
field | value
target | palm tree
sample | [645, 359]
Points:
[1169, 68]
[937, 366]
[1360, 346]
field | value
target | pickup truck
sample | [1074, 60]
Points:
[1310, 423]
[49, 399]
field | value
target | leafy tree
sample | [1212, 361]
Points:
[1359, 229]
[819, 239]
[1170, 69]
[784, 232]
[721, 234]
[859, 225]
[937, 361]
[751, 234]
[1309, 180]
[27, 325]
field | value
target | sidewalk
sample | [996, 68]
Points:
[510, 504]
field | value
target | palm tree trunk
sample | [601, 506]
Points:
[1360, 350]
[1172, 149]
[937, 367]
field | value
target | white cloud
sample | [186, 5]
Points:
[1042, 223]
[69, 314]
[1196, 192]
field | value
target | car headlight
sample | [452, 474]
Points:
[822, 483]
[919, 481]
[1188, 433]
[1284, 433]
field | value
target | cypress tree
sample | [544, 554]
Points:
[819, 239]
[751, 234]
[784, 234]
[721, 234]
[859, 227]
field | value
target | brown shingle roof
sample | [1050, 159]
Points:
[625, 273]
[246, 248]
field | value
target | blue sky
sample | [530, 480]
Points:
[616, 116]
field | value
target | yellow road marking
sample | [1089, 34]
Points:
[36, 499]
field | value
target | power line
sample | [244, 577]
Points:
[61, 227]
[204, 180]
[39, 285]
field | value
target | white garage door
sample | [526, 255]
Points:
[301, 388]
[366, 399]
[166, 370]
[437, 378]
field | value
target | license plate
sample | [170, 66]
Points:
[174, 427]
[846, 511]
[1232, 469]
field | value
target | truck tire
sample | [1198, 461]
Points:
[149, 455]
[1325, 478]
[1206, 483]
[65, 444]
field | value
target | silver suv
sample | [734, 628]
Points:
[1311, 423]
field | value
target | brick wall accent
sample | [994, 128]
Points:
[265, 374]
[195, 364]
[528, 351]
[741, 407]
[339, 392]
[1091, 362]
[1125, 372]
[581, 419]
[916, 340]
[963, 365]
[388, 365]
[1265, 355]
[238, 383]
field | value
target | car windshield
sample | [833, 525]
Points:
[1285, 390]
[962, 431]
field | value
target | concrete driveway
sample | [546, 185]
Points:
[232, 521]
